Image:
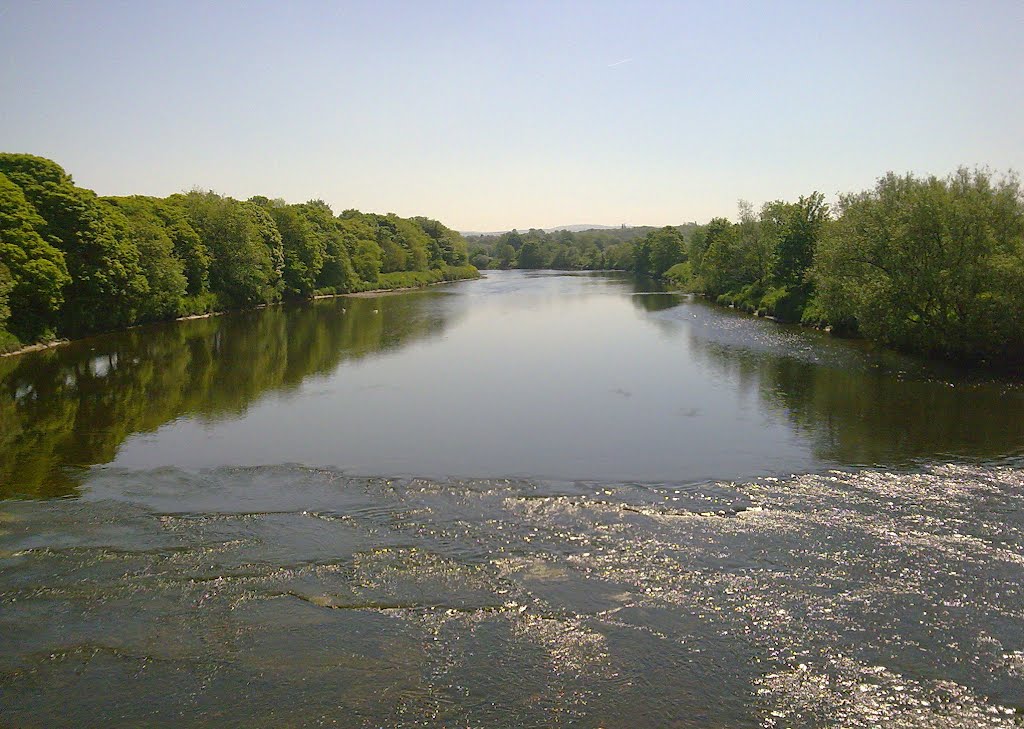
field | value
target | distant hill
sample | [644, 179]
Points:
[578, 228]
[572, 228]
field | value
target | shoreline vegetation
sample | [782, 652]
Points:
[73, 264]
[369, 293]
[923, 265]
[926, 265]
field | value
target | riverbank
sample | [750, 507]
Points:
[38, 347]
[434, 277]
[383, 292]
[1009, 367]
[409, 281]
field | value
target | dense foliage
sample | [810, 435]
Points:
[923, 264]
[72, 263]
[596, 249]
[927, 265]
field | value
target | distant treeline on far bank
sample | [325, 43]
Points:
[923, 264]
[72, 263]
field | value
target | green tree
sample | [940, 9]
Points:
[107, 284]
[245, 247]
[659, 250]
[336, 273]
[271, 238]
[394, 256]
[303, 246]
[929, 265]
[513, 239]
[717, 271]
[188, 246]
[359, 236]
[566, 259]
[531, 256]
[447, 246]
[415, 242]
[794, 229]
[6, 284]
[756, 245]
[479, 259]
[505, 254]
[164, 272]
[621, 256]
[35, 272]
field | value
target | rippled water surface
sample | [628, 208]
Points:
[532, 500]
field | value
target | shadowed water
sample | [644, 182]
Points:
[533, 500]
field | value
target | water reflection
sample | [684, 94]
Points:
[862, 407]
[74, 405]
[588, 376]
[653, 301]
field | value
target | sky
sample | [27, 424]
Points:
[495, 115]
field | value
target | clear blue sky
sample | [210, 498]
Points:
[493, 115]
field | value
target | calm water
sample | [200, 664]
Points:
[529, 500]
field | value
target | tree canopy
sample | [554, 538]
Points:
[107, 285]
[929, 265]
[72, 263]
[923, 264]
[34, 272]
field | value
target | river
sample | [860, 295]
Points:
[535, 499]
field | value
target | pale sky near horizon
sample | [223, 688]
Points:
[490, 116]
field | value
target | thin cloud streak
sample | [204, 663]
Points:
[619, 63]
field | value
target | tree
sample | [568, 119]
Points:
[415, 242]
[335, 270]
[717, 263]
[395, 256]
[512, 238]
[794, 229]
[303, 246]
[271, 237]
[245, 247]
[188, 246]
[6, 284]
[929, 265]
[35, 273]
[756, 245]
[164, 272]
[505, 254]
[107, 285]
[659, 250]
[621, 256]
[359, 237]
[531, 256]
[448, 247]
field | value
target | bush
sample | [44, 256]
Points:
[680, 275]
[749, 298]
[785, 303]
[8, 342]
[413, 279]
[198, 304]
[407, 280]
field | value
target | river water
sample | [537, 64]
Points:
[530, 500]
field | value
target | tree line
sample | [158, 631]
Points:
[595, 249]
[928, 265]
[73, 263]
